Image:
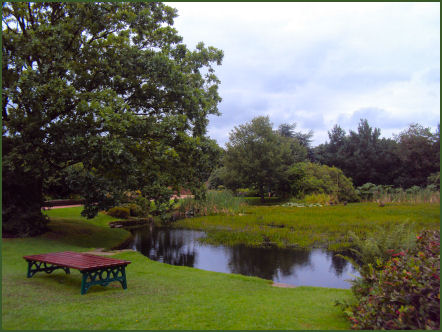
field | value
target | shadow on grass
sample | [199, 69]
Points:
[83, 234]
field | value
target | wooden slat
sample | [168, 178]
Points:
[77, 260]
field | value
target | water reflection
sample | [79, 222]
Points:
[167, 246]
[267, 263]
[316, 267]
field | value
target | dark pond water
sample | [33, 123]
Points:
[315, 267]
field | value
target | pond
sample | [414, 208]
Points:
[299, 267]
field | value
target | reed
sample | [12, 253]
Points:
[216, 202]
[387, 194]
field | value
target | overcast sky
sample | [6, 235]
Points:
[321, 64]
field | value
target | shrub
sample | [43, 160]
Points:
[404, 292]
[135, 210]
[434, 180]
[367, 191]
[319, 199]
[309, 178]
[119, 212]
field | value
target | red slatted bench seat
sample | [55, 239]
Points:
[96, 270]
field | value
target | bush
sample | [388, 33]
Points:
[434, 180]
[119, 212]
[404, 292]
[367, 191]
[323, 199]
[309, 178]
[134, 210]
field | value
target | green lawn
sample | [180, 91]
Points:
[159, 296]
[326, 226]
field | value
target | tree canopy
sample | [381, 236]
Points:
[257, 156]
[108, 94]
[362, 155]
[419, 154]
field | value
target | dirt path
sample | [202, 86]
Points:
[60, 207]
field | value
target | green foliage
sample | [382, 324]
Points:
[403, 292]
[326, 226]
[129, 210]
[246, 192]
[375, 248]
[215, 202]
[404, 161]
[257, 157]
[367, 191]
[389, 194]
[119, 212]
[135, 210]
[111, 89]
[310, 178]
[21, 215]
[363, 155]
[434, 180]
[322, 199]
[419, 154]
[216, 178]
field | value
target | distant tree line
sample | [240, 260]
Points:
[284, 163]
[406, 160]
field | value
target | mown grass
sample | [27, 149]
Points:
[159, 296]
[74, 213]
[326, 226]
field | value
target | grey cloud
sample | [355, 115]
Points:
[378, 118]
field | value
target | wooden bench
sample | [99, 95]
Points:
[96, 270]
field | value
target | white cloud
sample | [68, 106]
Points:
[317, 63]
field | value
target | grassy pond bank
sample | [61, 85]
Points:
[162, 296]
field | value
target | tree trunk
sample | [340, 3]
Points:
[21, 204]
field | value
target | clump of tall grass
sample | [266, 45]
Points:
[370, 192]
[216, 202]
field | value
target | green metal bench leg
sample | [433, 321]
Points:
[84, 283]
[123, 280]
[34, 267]
[103, 277]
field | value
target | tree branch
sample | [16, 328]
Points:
[31, 18]
[103, 35]
[4, 109]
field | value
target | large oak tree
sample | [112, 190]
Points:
[106, 94]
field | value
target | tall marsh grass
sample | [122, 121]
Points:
[387, 194]
[216, 202]
[418, 197]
